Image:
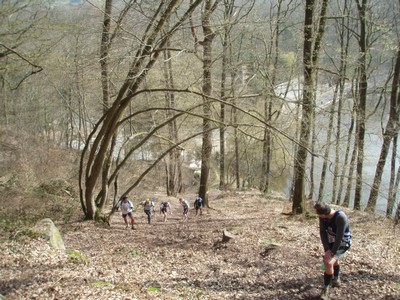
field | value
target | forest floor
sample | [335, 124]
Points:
[272, 256]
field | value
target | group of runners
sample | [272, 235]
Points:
[149, 208]
[334, 232]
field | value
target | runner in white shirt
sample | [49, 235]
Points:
[185, 206]
[148, 209]
[126, 210]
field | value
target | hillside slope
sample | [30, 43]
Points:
[273, 256]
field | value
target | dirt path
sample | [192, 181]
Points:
[273, 256]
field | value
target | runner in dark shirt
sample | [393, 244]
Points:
[335, 236]
[165, 208]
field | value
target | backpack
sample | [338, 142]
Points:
[119, 204]
[198, 202]
[185, 204]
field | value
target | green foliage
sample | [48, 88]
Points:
[153, 289]
[18, 235]
[13, 180]
[135, 252]
[126, 251]
[16, 227]
[77, 257]
[186, 294]
[57, 187]
[69, 213]
[398, 287]
[288, 58]
[311, 215]
[6, 223]
[100, 283]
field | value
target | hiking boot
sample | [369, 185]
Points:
[133, 227]
[336, 282]
[324, 294]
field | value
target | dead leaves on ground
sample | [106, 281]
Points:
[272, 256]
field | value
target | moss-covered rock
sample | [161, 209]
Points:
[49, 231]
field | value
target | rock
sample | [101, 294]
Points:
[270, 247]
[227, 236]
[49, 231]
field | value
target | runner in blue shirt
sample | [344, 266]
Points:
[198, 204]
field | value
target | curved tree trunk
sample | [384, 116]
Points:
[146, 56]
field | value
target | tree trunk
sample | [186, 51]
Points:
[301, 155]
[393, 181]
[207, 90]
[328, 144]
[236, 147]
[173, 166]
[345, 165]
[353, 157]
[273, 64]
[344, 38]
[104, 53]
[229, 5]
[388, 136]
[143, 61]
[394, 196]
[312, 160]
[310, 58]
[362, 100]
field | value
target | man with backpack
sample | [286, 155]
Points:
[185, 206]
[127, 210]
[148, 206]
[165, 207]
[198, 204]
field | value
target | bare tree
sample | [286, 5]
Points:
[343, 31]
[19, 57]
[362, 100]
[394, 181]
[147, 54]
[208, 37]
[173, 163]
[311, 49]
[274, 52]
[228, 12]
[391, 131]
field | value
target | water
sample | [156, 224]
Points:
[372, 147]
